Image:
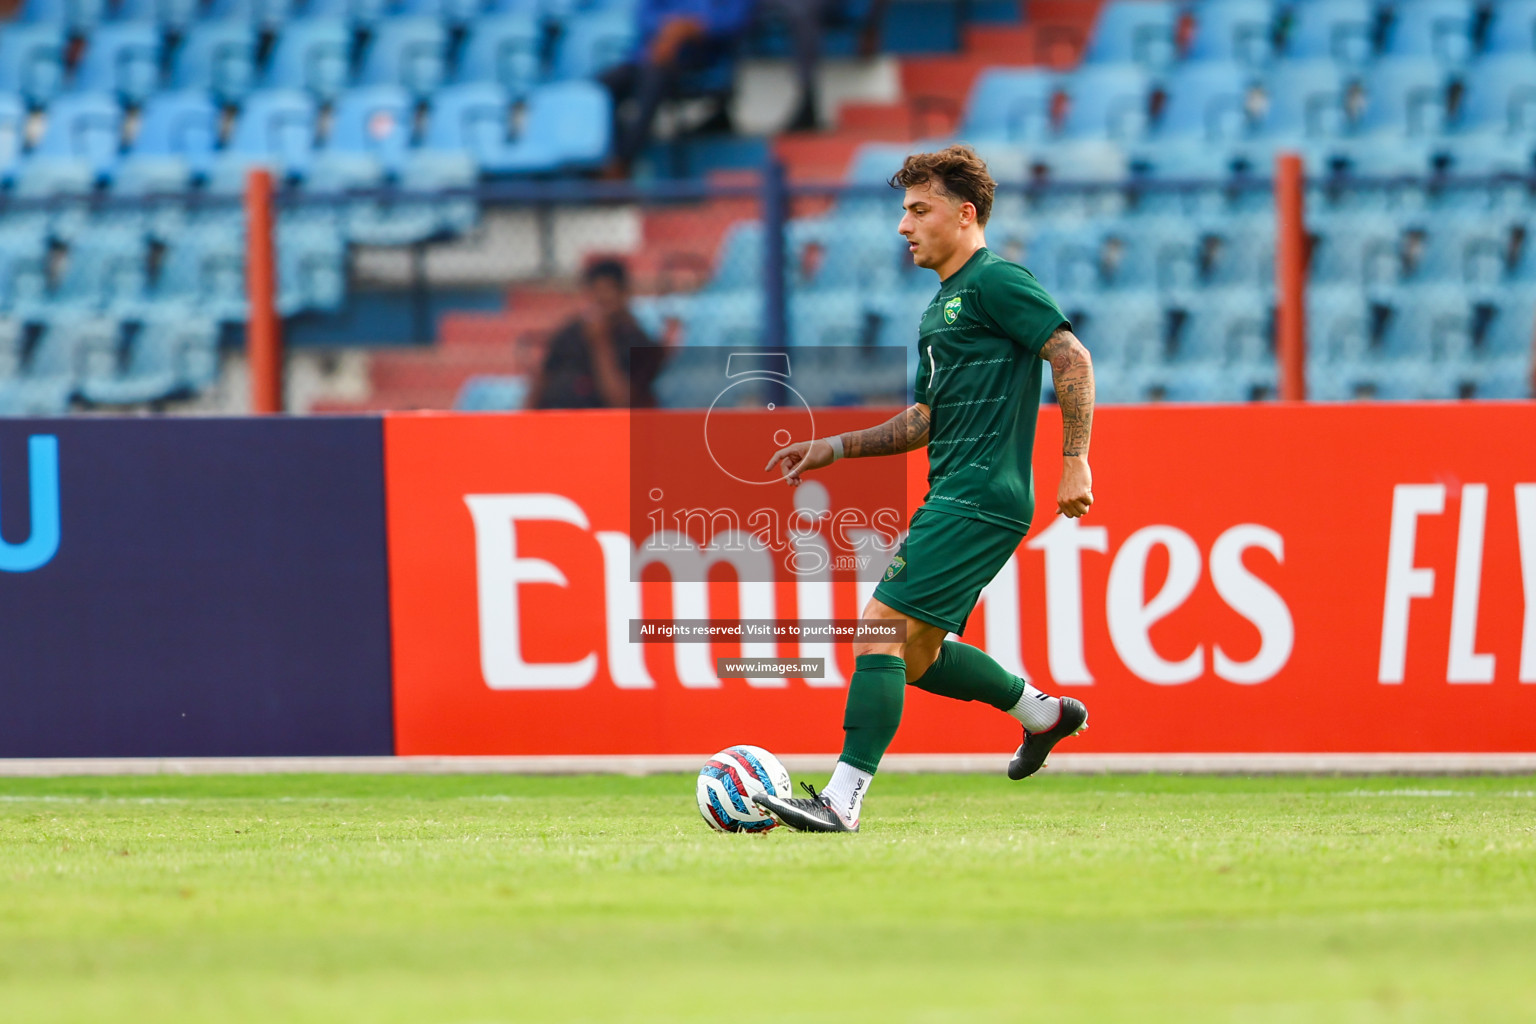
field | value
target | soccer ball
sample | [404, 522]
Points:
[727, 782]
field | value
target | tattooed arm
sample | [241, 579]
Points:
[1072, 370]
[903, 432]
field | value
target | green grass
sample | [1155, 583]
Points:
[474, 899]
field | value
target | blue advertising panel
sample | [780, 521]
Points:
[193, 587]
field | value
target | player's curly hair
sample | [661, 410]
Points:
[957, 171]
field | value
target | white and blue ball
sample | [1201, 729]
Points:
[727, 782]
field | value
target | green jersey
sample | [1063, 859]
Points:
[979, 371]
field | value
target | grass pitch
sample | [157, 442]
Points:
[477, 899]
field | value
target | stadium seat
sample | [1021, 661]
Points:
[1304, 100]
[31, 61]
[1336, 30]
[1354, 249]
[1440, 30]
[170, 356]
[85, 126]
[592, 42]
[174, 15]
[1499, 98]
[78, 16]
[1106, 102]
[1134, 31]
[1461, 250]
[121, 58]
[821, 318]
[1012, 104]
[565, 124]
[105, 270]
[263, 15]
[23, 279]
[504, 49]
[454, 13]
[1404, 97]
[12, 341]
[355, 12]
[203, 275]
[1206, 102]
[427, 174]
[152, 188]
[13, 126]
[408, 52]
[1241, 31]
[182, 125]
[217, 56]
[1512, 28]
[276, 126]
[313, 54]
[376, 120]
[66, 183]
[1513, 330]
[469, 119]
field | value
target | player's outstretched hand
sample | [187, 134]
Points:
[801, 457]
[1076, 491]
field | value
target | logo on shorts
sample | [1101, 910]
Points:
[896, 568]
[952, 310]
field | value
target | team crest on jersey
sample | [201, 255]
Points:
[895, 568]
[952, 310]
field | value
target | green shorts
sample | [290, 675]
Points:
[939, 572]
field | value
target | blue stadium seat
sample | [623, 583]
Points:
[170, 356]
[1404, 96]
[12, 341]
[69, 341]
[565, 125]
[455, 13]
[358, 12]
[591, 43]
[203, 275]
[825, 317]
[1499, 97]
[1354, 249]
[1461, 250]
[264, 15]
[1513, 330]
[425, 175]
[1233, 30]
[487, 392]
[504, 49]
[219, 57]
[313, 54]
[1305, 100]
[174, 15]
[376, 120]
[1012, 104]
[1512, 28]
[145, 179]
[1336, 30]
[182, 125]
[1134, 31]
[277, 127]
[1426, 322]
[1436, 29]
[23, 278]
[1206, 101]
[80, 16]
[105, 271]
[468, 119]
[1107, 102]
[31, 61]
[409, 52]
[121, 58]
[86, 126]
[67, 183]
[13, 125]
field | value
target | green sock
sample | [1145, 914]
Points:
[873, 712]
[963, 672]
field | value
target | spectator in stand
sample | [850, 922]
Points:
[588, 362]
[676, 36]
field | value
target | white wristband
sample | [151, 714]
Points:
[836, 441]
